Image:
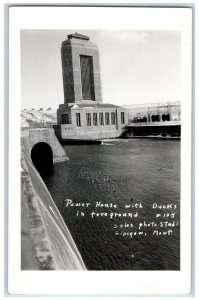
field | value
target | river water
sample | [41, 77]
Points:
[127, 193]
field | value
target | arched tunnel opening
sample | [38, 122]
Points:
[42, 158]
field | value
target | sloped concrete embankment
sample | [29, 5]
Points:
[46, 242]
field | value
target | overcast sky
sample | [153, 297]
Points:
[136, 66]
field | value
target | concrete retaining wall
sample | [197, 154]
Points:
[46, 243]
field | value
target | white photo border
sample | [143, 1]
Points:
[98, 282]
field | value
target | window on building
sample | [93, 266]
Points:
[65, 119]
[88, 119]
[155, 118]
[101, 119]
[122, 118]
[107, 121]
[166, 117]
[87, 78]
[94, 119]
[78, 120]
[113, 118]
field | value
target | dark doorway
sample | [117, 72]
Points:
[42, 158]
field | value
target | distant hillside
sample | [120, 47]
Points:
[35, 118]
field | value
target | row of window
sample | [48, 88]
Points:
[101, 119]
[104, 118]
[95, 119]
[153, 118]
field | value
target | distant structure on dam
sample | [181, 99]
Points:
[163, 119]
[83, 115]
[155, 112]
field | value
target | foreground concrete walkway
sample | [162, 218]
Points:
[46, 242]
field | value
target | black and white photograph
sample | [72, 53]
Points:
[111, 163]
[102, 149]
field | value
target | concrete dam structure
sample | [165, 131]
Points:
[46, 243]
[154, 119]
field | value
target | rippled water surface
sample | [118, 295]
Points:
[119, 172]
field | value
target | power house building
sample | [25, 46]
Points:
[83, 116]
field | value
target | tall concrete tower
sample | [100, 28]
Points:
[81, 72]
[83, 116]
